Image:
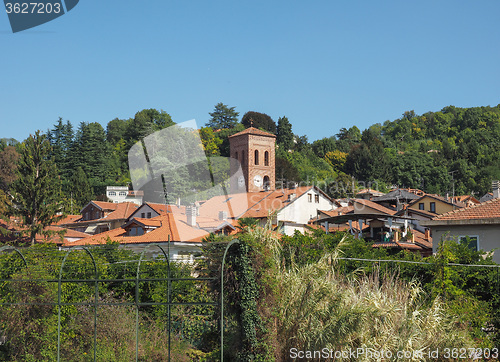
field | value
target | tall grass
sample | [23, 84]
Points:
[318, 307]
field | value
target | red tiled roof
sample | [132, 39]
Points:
[153, 222]
[487, 210]
[255, 131]
[372, 205]
[169, 225]
[103, 205]
[68, 219]
[338, 211]
[123, 211]
[13, 226]
[272, 201]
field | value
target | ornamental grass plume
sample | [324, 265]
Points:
[318, 307]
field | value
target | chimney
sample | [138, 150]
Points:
[191, 215]
[427, 234]
[222, 215]
[495, 185]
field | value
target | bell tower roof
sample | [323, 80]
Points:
[254, 131]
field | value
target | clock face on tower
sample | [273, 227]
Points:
[257, 181]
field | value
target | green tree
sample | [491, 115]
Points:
[323, 146]
[259, 120]
[223, 117]
[115, 130]
[81, 192]
[61, 139]
[93, 154]
[211, 142]
[8, 165]
[36, 192]
[284, 135]
[367, 160]
[146, 122]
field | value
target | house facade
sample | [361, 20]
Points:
[479, 224]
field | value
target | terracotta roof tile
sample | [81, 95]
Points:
[255, 131]
[103, 205]
[371, 205]
[68, 219]
[487, 210]
[123, 211]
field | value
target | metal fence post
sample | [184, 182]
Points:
[137, 298]
[59, 290]
[231, 243]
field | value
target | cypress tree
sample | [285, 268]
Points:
[37, 191]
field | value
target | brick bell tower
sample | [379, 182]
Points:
[254, 149]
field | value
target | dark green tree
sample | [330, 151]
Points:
[81, 192]
[223, 117]
[146, 122]
[367, 160]
[259, 120]
[93, 154]
[61, 139]
[323, 146]
[8, 165]
[284, 135]
[115, 130]
[36, 192]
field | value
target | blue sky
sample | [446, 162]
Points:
[323, 64]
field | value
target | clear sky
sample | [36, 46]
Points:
[323, 64]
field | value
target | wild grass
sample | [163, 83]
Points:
[318, 307]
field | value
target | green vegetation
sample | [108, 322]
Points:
[452, 150]
[35, 192]
[30, 328]
[294, 292]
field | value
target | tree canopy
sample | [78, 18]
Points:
[223, 117]
[259, 120]
[36, 193]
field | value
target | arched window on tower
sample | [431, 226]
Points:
[242, 158]
[266, 158]
[256, 157]
[236, 155]
[267, 183]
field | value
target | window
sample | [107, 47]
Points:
[256, 157]
[433, 207]
[112, 193]
[242, 158]
[267, 183]
[310, 197]
[266, 158]
[136, 231]
[122, 193]
[316, 198]
[236, 155]
[149, 215]
[472, 241]
[143, 215]
[421, 206]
